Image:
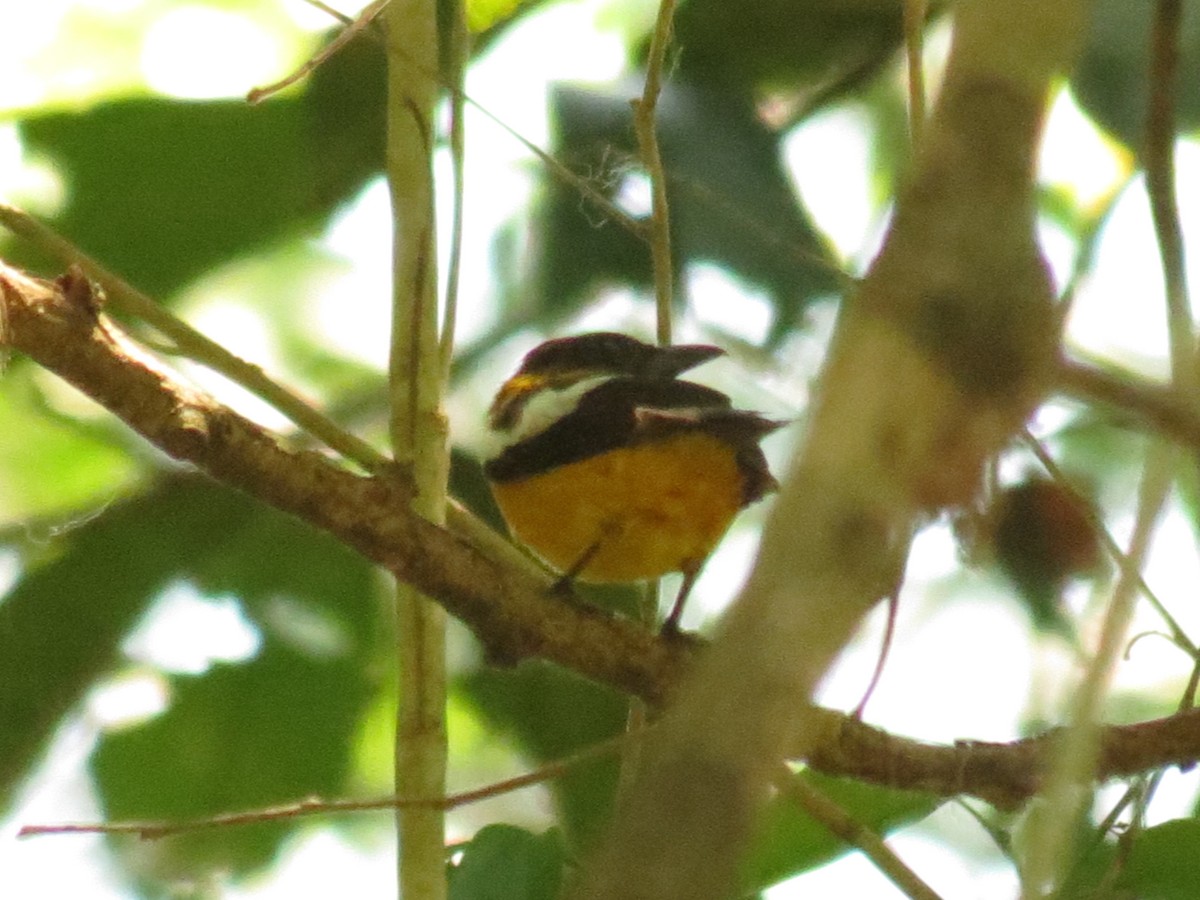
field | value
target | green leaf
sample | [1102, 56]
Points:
[239, 737]
[1162, 864]
[747, 47]
[162, 190]
[63, 622]
[275, 729]
[553, 713]
[731, 201]
[54, 464]
[503, 862]
[790, 841]
[485, 14]
[1110, 80]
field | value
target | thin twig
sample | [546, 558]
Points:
[1087, 237]
[822, 808]
[1052, 832]
[645, 124]
[1158, 155]
[317, 807]
[459, 53]
[1159, 408]
[914, 32]
[190, 343]
[365, 18]
[330, 11]
[553, 166]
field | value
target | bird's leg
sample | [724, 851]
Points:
[690, 570]
[889, 631]
[567, 578]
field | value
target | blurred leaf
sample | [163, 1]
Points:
[287, 574]
[791, 842]
[242, 736]
[161, 190]
[198, 182]
[552, 713]
[815, 48]
[62, 624]
[1162, 864]
[277, 728]
[50, 463]
[503, 862]
[1091, 867]
[731, 202]
[489, 20]
[1111, 78]
[469, 487]
[485, 14]
[1107, 446]
[96, 39]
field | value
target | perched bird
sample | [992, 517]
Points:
[611, 468]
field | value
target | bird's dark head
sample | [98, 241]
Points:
[562, 363]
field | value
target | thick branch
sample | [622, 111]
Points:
[59, 326]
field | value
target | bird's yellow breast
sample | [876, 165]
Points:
[654, 508]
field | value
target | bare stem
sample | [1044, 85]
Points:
[125, 299]
[419, 434]
[1159, 160]
[645, 126]
[317, 807]
[1068, 787]
[818, 805]
[914, 32]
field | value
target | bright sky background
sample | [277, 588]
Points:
[996, 665]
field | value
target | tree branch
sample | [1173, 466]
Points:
[59, 326]
[511, 611]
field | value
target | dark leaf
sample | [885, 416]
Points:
[503, 862]
[552, 713]
[731, 201]
[162, 190]
[790, 841]
[1112, 77]
[61, 626]
[1162, 863]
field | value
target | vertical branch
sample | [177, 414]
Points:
[1158, 157]
[459, 52]
[418, 431]
[1066, 792]
[644, 123]
[914, 31]
[1068, 786]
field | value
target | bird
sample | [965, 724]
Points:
[611, 468]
